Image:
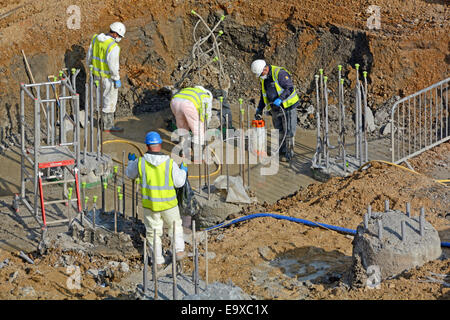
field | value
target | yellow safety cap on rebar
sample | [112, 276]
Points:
[94, 199]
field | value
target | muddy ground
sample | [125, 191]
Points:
[266, 257]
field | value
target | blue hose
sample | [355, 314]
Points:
[298, 220]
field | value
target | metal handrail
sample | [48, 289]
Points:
[417, 127]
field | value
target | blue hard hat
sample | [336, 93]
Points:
[153, 137]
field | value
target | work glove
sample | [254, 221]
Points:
[258, 116]
[277, 102]
[183, 167]
[117, 84]
[131, 156]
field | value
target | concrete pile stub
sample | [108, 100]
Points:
[214, 210]
[399, 247]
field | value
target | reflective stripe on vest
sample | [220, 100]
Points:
[292, 99]
[100, 51]
[194, 95]
[158, 191]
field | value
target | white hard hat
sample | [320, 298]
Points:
[119, 28]
[258, 67]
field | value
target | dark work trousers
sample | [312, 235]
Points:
[226, 110]
[290, 126]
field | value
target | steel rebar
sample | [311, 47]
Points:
[133, 199]
[221, 130]
[380, 229]
[408, 209]
[199, 157]
[123, 183]
[248, 146]
[403, 230]
[174, 264]
[422, 221]
[114, 198]
[366, 147]
[226, 151]
[91, 107]
[145, 267]
[94, 211]
[86, 119]
[318, 158]
[206, 259]
[155, 265]
[194, 244]
[99, 122]
[326, 138]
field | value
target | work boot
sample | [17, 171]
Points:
[108, 123]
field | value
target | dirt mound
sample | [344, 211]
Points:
[302, 37]
[248, 246]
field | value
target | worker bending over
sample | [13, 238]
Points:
[159, 175]
[103, 55]
[277, 89]
[192, 108]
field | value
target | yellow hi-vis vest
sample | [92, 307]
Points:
[158, 191]
[196, 96]
[293, 98]
[100, 51]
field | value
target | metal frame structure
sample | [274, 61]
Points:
[53, 150]
[321, 158]
[420, 122]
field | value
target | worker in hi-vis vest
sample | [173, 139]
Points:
[191, 106]
[159, 175]
[103, 55]
[277, 91]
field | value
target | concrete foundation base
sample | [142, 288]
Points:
[213, 211]
[396, 250]
[335, 168]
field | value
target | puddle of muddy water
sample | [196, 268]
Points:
[303, 272]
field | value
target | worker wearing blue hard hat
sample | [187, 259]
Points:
[159, 175]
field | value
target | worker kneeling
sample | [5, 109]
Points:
[159, 175]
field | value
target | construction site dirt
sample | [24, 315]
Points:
[268, 258]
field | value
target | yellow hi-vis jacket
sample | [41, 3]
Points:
[293, 98]
[100, 51]
[158, 191]
[196, 96]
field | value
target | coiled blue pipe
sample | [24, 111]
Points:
[298, 220]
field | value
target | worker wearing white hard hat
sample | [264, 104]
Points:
[103, 56]
[192, 108]
[277, 91]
